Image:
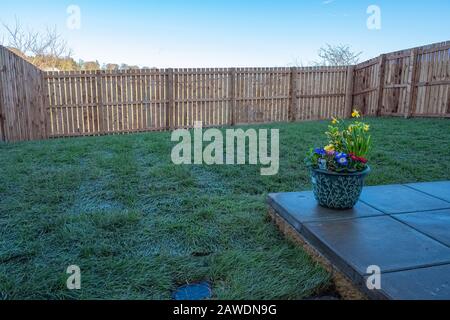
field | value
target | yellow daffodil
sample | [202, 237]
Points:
[334, 121]
[366, 127]
[356, 114]
[329, 148]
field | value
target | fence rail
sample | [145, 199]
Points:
[37, 105]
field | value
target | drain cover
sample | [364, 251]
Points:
[194, 291]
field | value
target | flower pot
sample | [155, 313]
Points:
[337, 190]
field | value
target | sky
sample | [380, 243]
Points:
[226, 33]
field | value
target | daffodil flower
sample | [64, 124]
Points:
[334, 121]
[356, 114]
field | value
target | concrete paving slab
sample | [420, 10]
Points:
[431, 283]
[380, 241]
[439, 189]
[302, 207]
[394, 199]
[435, 224]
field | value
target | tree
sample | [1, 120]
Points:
[46, 49]
[91, 65]
[125, 66]
[18, 39]
[111, 67]
[337, 55]
[62, 64]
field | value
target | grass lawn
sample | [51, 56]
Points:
[139, 226]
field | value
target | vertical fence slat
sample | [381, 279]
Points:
[411, 89]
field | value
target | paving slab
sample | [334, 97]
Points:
[392, 199]
[380, 241]
[435, 224]
[439, 189]
[301, 207]
[431, 283]
[403, 229]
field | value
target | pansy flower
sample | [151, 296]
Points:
[341, 155]
[342, 161]
[320, 151]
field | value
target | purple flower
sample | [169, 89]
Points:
[341, 159]
[320, 151]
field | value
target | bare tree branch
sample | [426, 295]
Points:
[338, 55]
[44, 49]
[18, 38]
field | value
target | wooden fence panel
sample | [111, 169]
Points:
[365, 88]
[104, 102]
[262, 95]
[397, 70]
[22, 99]
[201, 95]
[414, 82]
[433, 82]
[319, 93]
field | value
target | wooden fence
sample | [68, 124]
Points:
[414, 82]
[23, 114]
[102, 102]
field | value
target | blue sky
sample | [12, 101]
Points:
[223, 33]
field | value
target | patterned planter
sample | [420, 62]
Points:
[337, 190]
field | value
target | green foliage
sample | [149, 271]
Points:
[357, 139]
[347, 149]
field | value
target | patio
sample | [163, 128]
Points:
[403, 229]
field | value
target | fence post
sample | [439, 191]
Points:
[232, 96]
[2, 113]
[100, 104]
[349, 91]
[2, 120]
[169, 98]
[46, 104]
[411, 86]
[4, 134]
[380, 84]
[293, 94]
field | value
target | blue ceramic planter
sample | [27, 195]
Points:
[337, 190]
